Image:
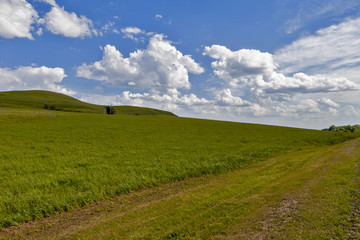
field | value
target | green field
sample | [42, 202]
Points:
[54, 161]
[38, 99]
[308, 194]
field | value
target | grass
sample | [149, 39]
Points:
[53, 161]
[307, 194]
[38, 99]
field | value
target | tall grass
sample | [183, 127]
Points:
[54, 161]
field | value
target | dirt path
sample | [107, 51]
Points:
[65, 224]
[135, 211]
[280, 216]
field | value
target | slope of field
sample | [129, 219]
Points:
[51, 161]
[310, 194]
[37, 99]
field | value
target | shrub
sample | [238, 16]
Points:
[110, 110]
[49, 107]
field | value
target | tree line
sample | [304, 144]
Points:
[347, 128]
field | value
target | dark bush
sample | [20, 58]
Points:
[110, 110]
[49, 107]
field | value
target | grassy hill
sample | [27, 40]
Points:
[53, 161]
[58, 161]
[38, 99]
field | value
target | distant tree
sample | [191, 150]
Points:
[49, 107]
[110, 110]
[346, 128]
[332, 128]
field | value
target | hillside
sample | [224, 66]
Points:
[53, 161]
[141, 169]
[38, 99]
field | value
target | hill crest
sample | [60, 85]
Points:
[40, 99]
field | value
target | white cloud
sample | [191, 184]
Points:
[39, 32]
[307, 106]
[302, 83]
[313, 108]
[158, 16]
[225, 105]
[328, 102]
[172, 98]
[252, 88]
[130, 32]
[257, 70]
[308, 11]
[262, 90]
[108, 27]
[58, 21]
[160, 67]
[225, 98]
[234, 66]
[330, 50]
[16, 19]
[161, 18]
[26, 78]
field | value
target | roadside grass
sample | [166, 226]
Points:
[51, 162]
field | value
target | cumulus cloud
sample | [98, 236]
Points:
[329, 50]
[257, 70]
[261, 89]
[307, 106]
[233, 66]
[225, 98]
[58, 21]
[251, 85]
[313, 107]
[16, 19]
[26, 78]
[160, 67]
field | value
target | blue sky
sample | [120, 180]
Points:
[291, 63]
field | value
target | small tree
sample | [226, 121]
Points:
[49, 107]
[110, 110]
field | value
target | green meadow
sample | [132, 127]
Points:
[38, 99]
[53, 161]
